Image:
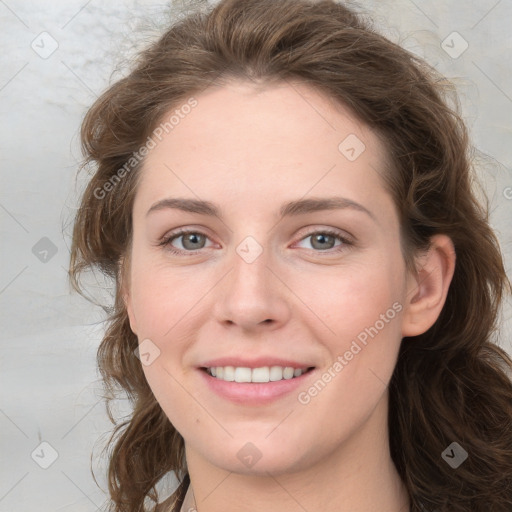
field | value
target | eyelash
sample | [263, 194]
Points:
[166, 241]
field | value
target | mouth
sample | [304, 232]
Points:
[257, 381]
[260, 375]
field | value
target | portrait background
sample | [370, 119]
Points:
[57, 58]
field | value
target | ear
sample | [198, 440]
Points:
[123, 270]
[428, 288]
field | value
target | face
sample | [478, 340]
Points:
[258, 288]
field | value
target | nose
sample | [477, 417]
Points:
[252, 296]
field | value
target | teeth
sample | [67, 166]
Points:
[288, 373]
[276, 373]
[260, 374]
[229, 373]
[242, 375]
[263, 374]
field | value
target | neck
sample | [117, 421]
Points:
[357, 476]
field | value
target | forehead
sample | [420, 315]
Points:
[263, 144]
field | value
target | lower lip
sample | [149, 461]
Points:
[254, 393]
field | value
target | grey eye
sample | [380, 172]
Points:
[322, 241]
[192, 241]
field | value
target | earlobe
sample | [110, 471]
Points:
[428, 289]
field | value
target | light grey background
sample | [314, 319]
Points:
[49, 389]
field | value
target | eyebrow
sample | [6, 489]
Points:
[292, 208]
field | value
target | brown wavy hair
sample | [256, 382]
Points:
[451, 383]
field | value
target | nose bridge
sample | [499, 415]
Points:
[252, 293]
[250, 276]
[250, 265]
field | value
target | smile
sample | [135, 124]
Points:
[260, 375]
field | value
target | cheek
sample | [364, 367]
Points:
[351, 297]
[163, 297]
[183, 409]
[360, 308]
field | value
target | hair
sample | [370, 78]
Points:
[451, 383]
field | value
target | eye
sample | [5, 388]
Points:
[192, 241]
[324, 240]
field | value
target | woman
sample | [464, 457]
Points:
[302, 269]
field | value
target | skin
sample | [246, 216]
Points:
[249, 150]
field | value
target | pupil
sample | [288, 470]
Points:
[322, 238]
[192, 238]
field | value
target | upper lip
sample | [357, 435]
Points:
[253, 363]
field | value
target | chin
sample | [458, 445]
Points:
[257, 457]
